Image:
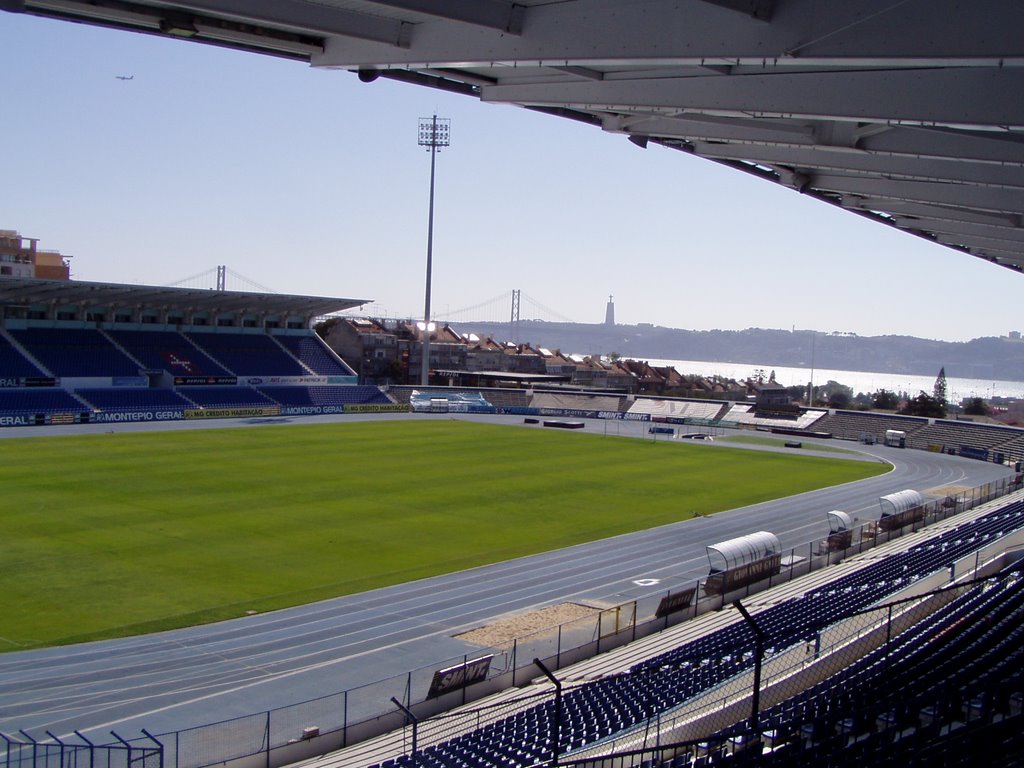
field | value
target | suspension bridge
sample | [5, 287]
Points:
[507, 307]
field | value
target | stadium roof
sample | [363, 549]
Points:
[29, 292]
[910, 112]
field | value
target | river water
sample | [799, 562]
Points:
[860, 381]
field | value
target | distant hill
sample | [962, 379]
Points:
[985, 358]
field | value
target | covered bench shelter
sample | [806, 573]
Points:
[840, 530]
[900, 509]
[741, 561]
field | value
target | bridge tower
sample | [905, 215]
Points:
[514, 321]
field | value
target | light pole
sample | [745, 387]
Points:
[810, 387]
[434, 132]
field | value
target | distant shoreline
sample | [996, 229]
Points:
[867, 382]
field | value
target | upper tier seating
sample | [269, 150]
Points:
[249, 354]
[13, 364]
[167, 350]
[75, 352]
[315, 355]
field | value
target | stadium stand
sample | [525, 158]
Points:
[320, 396]
[703, 410]
[75, 352]
[746, 415]
[926, 434]
[98, 354]
[856, 425]
[311, 351]
[248, 354]
[167, 350]
[955, 434]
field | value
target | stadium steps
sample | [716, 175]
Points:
[309, 371]
[209, 356]
[386, 746]
[121, 348]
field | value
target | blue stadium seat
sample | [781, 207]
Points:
[15, 365]
[325, 395]
[249, 354]
[27, 402]
[225, 397]
[75, 352]
[315, 355]
[133, 399]
[169, 351]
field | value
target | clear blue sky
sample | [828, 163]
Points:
[310, 182]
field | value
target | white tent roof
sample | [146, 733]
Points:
[839, 521]
[742, 550]
[901, 501]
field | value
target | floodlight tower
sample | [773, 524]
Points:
[434, 133]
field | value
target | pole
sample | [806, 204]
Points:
[755, 704]
[425, 368]
[558, 711]
[810, 386]
[412, 719]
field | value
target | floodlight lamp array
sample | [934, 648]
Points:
[435, 132]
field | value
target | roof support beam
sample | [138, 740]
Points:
[925, 97]
[933, 211]
[493, 14]
[973, 147]
[964, 229]
[276, 15]
[761, 10]
[860, 162]
[954, 195]
[595, 33]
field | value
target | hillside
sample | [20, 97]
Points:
[995, 358]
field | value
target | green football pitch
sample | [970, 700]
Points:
[123, 533]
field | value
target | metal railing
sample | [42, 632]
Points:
[53, 752]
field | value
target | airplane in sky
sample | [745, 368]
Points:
[125, 77]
